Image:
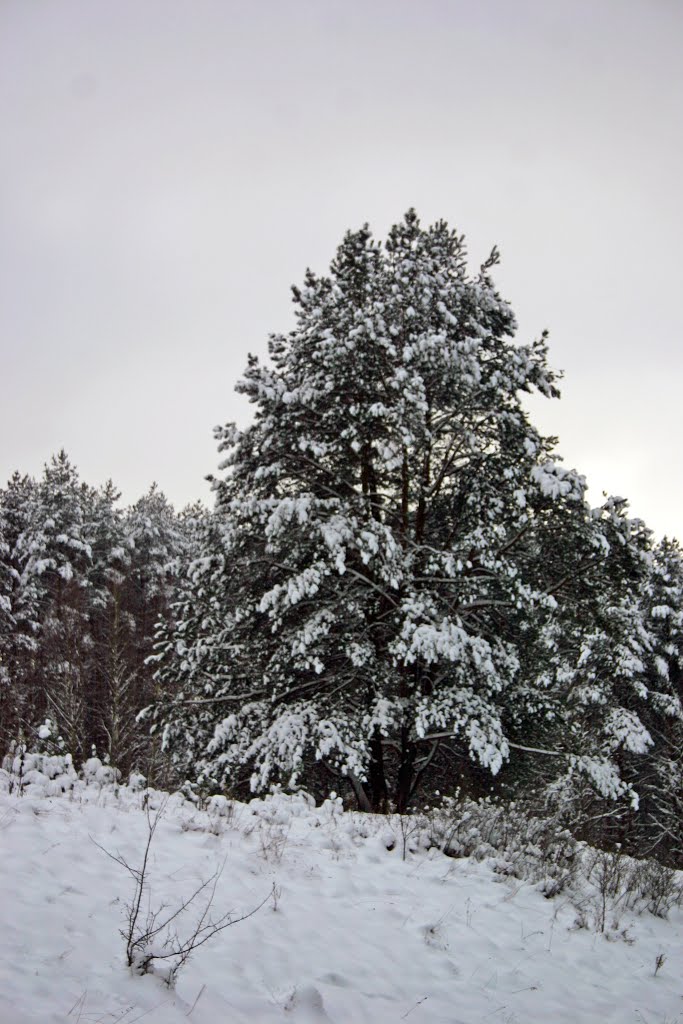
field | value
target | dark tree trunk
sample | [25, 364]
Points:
[368, 478]
[377, 783]
[406, 773]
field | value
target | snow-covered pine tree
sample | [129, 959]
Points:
[8, 700]
[579, 693]
[22, 698]
[109, 724]
[600, 685]
[385, 538]
[155, 538]
[60, 559]
[658, 828]
[206, 588]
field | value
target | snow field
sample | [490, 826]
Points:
[355, 934]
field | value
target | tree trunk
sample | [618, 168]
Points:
[368, 478]
[406, 772]
[377, 783]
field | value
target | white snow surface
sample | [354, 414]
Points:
[358, 935]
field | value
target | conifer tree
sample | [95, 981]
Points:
[61, 557]
[385, 545]
[658, 779]
[8, 711]
[21, 696]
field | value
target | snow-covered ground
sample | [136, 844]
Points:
[355, 934]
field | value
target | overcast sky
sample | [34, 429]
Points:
[169, 168]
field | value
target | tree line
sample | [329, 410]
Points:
[82, 585]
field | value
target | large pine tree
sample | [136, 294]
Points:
[379, 586]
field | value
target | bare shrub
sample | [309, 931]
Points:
[409, 826]
[658, 888]
[151, 935]
[638, 885]
[272, 838]
[523, 846]
[601, 885]
[609, 874]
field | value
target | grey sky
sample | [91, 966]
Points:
[169, 168]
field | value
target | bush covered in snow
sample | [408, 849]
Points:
[42, 774]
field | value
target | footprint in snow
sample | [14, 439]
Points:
[306, 1006]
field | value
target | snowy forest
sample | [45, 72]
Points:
[401, 593]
